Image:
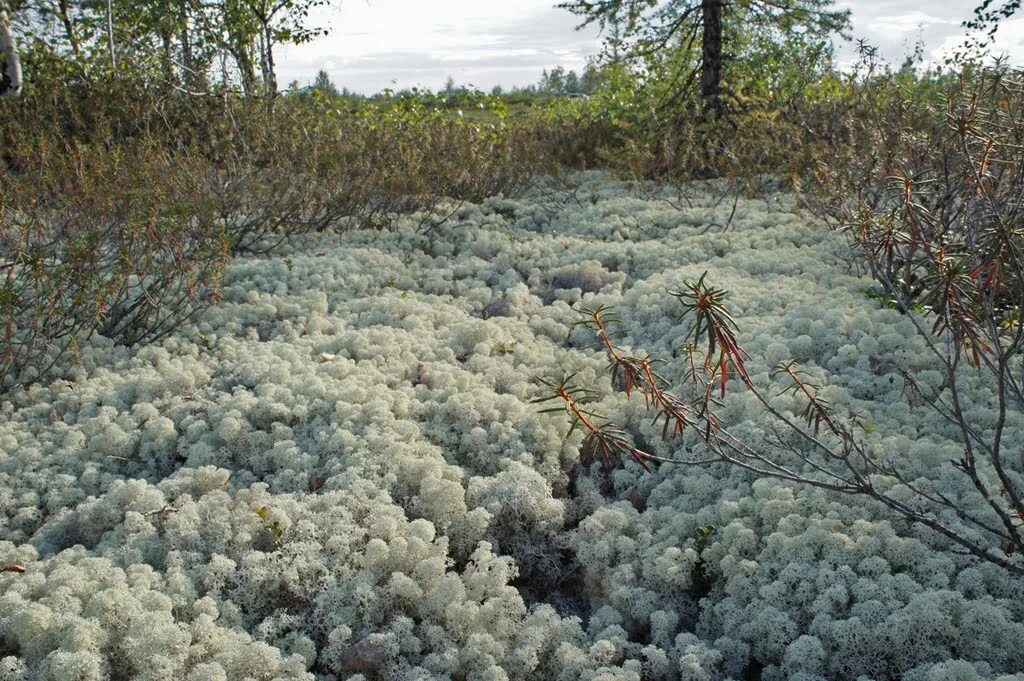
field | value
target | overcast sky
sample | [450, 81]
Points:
[376, 44]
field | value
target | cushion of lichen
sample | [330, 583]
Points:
[369, 394]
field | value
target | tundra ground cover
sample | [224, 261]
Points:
[338, 472]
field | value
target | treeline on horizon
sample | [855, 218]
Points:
[556, 82]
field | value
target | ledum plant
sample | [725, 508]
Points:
[637, 374]
[819, 446]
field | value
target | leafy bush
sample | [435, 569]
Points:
[126, 230]
[95, 240]
[935, 213]
[422, 155]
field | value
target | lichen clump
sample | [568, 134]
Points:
[339, 474]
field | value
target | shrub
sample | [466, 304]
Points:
[126, 230]
[123, 243]
[935, 214]
[931, 198]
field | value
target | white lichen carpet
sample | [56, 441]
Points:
[338, 473]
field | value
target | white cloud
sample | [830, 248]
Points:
[896, 26]
[908, 23]
[399, 43]
[1009, 41]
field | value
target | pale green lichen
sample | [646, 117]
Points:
[340, 465]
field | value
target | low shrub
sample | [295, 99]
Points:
[118, 242]
[125, 231]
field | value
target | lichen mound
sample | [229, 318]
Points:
[338, 473]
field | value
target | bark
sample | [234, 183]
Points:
[270, 78]
[711, 57]
[10, 64]
[110, 34]
[166, 42]
[243, 60]
[188, 60]
[64, 12]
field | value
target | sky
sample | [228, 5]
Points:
[377, 44]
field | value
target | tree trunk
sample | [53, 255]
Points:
[166, 30]
[63, 11]
[110, 34]
[270, 78]
[711, 57]
[188, 61]
[243, 60]
[10, 64]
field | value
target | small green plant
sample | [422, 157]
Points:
[891, 302]
[703, 577]
[273, 526]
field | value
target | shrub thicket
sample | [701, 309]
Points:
[125, 228]
[95, 240]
